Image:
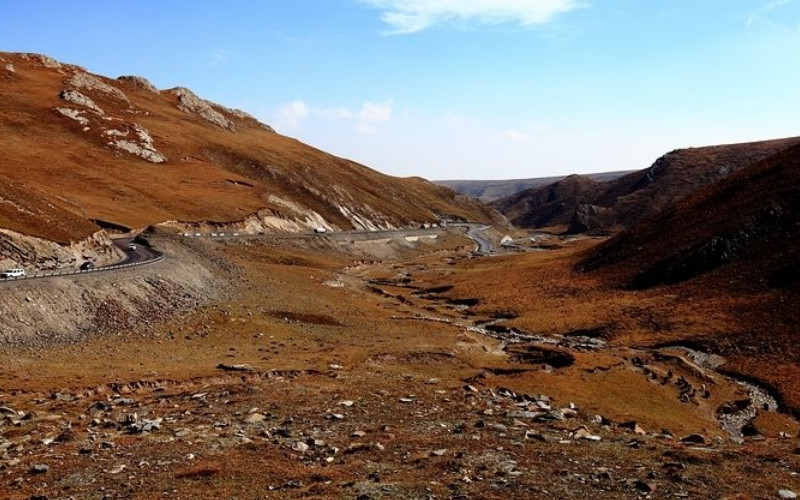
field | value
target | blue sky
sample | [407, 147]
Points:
[481, 89]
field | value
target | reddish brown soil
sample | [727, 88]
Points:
[330, 362]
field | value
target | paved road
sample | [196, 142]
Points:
[474, 231]
[144, 254]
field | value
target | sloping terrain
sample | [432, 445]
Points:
[315, 370]
[122, 152]
[738, 241]
[491, 190]
[751, 218]
[550, 205]
[622, 202]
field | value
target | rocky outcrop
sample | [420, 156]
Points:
[190, 103]
[18, 250]
[588, 216]
[75, 97]
[10, 68]
[141, 82]
[242, 115]
[81, 80]
[47, 62]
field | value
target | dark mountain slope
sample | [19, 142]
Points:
[550, 205]
[749, 221]
[622, 202]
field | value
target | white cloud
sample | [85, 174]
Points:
[376, 112]
[292, 114]
[412, 16]
[759, 15]
[338, 113]
[514, 135]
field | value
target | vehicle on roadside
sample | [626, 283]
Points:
[320, 230]
[87, 266]
[13, 273]
[132, 247]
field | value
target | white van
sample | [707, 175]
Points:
[13, 273]
[320, 230]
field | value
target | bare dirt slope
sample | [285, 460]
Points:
[622, 202]
[84, 148]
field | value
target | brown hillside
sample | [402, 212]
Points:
[739, 242]
[120, 151]
[622, 202]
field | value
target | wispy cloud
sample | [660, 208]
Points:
[364, 120]
[291, 115]
[219, 57]
[759, 15]
[412, 16]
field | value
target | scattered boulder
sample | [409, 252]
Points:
[254, 418]
[40, 468]
[235, 368]
[693, 439]
[787, 494]
[10, 68]
[300, 446]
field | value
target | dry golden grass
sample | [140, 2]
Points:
[211, 174]
[287, 323]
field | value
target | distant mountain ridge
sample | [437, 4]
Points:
[585, 205]
[491, 190]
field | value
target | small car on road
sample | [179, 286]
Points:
[13, 273]
[132, 247]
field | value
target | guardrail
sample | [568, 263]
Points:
[53, 274]
[287, 235]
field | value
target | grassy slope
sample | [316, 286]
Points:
[211, 173]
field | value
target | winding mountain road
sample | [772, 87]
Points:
[143, 254]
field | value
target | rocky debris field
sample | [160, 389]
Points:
[311, 434]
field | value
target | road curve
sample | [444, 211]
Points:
[143, 255]
[474, 231]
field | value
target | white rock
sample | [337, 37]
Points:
[787, 494]
[189, 102]
[75, 97]
[73, 114]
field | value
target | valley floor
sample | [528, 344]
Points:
[332, 370]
